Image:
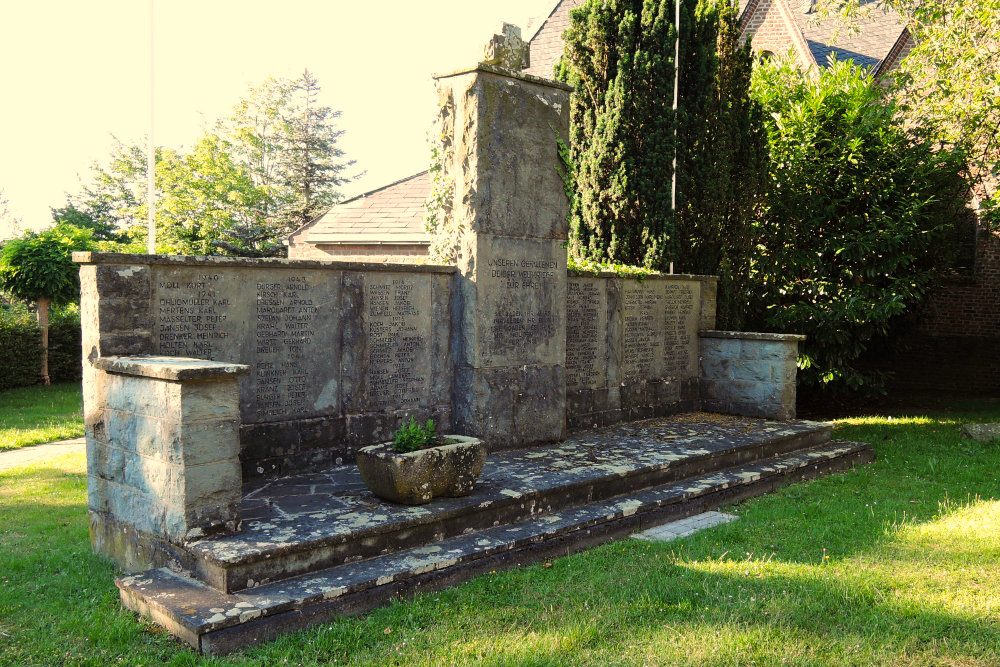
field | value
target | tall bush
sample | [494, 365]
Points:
[620, 57]
[857, 223]
[21, 346]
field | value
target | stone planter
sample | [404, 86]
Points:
[416, 477]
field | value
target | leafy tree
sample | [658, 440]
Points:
[288, 143]
[624, 132]
[210, 205]
[74, 216]
[722, 158]
[267, 169]
[39, 267]
[619, 56]
[858, 219]
[949, 82]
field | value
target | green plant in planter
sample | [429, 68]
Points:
[410, 437]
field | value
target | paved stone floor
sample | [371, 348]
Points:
[334, 503]
[689, 526]
[15, 458]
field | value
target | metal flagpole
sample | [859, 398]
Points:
[677, 77]
[151, 153]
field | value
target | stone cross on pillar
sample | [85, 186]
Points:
[506, 226]
[507, 50]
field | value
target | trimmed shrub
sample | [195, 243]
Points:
[21, 348]
[858, 222]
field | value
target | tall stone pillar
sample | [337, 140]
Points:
[505, 226]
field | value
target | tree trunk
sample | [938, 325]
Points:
[43, 322]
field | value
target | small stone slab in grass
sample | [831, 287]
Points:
[669, 532]
[982, 432]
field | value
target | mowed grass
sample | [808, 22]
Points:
[895, 563]
[33, 415]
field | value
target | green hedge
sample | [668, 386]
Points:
[21, 349]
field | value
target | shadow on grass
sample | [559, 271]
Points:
[754, 589]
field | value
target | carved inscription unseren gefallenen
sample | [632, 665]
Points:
[585, 334]
[515, 324]
[398, 323]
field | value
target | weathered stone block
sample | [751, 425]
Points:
[540, 406]
[982, 432]
[211, 488]
[163, 482]
[752, 369]
[124, 315]
[709, 291]
[124, 281]
[751, 349]
[716, 366]
[209, 401]
[142, 396]
[208, 442]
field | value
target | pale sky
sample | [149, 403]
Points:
[74, 72]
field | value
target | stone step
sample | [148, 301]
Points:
[317, 526]
[216, 622]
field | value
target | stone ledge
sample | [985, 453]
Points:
[186, 260]
[583, 273]
[749, 335]
[176, 369]
[499, 71]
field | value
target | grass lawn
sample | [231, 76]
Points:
[894, 563]
[33, 415]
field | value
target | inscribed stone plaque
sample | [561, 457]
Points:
[586, 333]
[680, 328]
[398, 324]
[521, 287]
[283, 323]
[642, 333]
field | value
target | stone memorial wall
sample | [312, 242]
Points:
[317, 359]
[632, 345]
[338, 354]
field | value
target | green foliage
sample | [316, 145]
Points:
[102, 229]
[411, 436]
[20, 347]
[722, 162]
[40, 264]
[585, 266]
[288, 144]
[858, 219]
[267, 169]
[620, 58]
[949, 82]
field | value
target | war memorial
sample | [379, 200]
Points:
[226, 399]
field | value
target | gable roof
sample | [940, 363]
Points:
[867, 46]
[869, 43]
[390, 215]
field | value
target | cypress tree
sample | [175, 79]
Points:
[620, 58]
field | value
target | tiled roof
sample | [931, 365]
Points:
[867, 46]
[546, 40]
[392, 214]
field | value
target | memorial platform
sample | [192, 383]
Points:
[321, 544]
